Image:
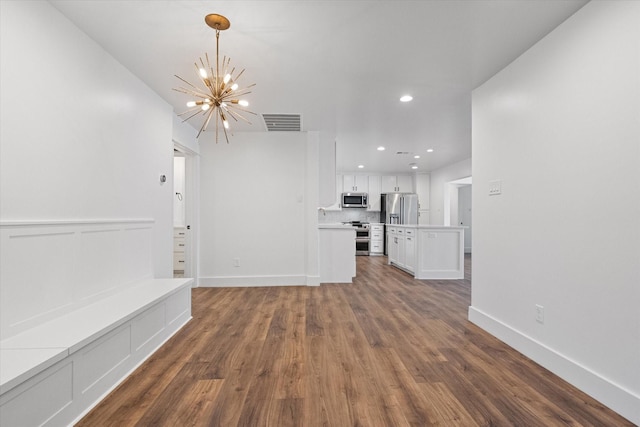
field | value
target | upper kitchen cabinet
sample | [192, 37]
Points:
[397, 183]
[374, 193]
[355, 183]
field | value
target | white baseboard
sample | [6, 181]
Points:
[619, 399]
[257, 281]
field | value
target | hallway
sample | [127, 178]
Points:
[386, 350]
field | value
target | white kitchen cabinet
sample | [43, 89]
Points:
[410, 252]
[376, 236]
[402, 248]
[374, 193]
[405, 183]
[355, 183]
[178, 249]
[392, 245]
[397, 183]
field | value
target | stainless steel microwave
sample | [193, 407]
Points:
[354, 200]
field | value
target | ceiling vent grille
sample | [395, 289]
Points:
[283, 122]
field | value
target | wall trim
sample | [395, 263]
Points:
[616, 397]
[48, 222]
[313, 280]
[253, 281]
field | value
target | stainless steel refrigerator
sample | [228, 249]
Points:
[398, 208]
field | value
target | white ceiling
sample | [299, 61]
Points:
[342, 65]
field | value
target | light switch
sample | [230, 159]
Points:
[495, 187]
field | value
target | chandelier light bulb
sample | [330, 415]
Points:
[227, 78]
[205, 107]
[243, 103]
[203, 73]
[234, 86]
[191, 104]
[226, 124]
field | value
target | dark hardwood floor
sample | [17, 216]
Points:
[386, 350]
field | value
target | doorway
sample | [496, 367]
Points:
[185, 200]
[179, 217]
[458, 209]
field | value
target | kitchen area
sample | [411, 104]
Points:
[389, 220]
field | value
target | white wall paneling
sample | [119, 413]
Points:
[79, 163]
[559, 127]
[50, 268]
[440, 253]
[52, 389]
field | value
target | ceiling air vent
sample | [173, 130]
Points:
[282, 122]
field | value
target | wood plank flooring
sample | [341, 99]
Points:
[386, 350]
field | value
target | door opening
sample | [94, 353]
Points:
[185, 212]
[457, 207]
[179, 214]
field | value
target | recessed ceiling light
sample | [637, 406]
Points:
[360, 166]
[381, 148]
[406, 98]
[416, 156]
[430, 150]
[414, 167]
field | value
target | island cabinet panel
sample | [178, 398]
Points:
[410, 253]
[427, 252]
[440, 253]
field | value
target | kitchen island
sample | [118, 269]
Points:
[337, 263]
[427, 251]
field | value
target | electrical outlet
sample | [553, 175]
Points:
[539, 313]
[495, 187]
[236, 262]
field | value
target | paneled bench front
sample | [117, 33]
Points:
[54, 373]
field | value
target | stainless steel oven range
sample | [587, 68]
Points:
[363, 237]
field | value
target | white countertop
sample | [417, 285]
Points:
[448, 227]
[336, 226]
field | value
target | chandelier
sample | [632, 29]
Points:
[218, 95]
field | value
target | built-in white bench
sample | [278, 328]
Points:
[57, 365]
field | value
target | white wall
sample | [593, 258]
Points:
[439, 183]
[560, 127]
[184, 134]
[81, 137]
[258, 198]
